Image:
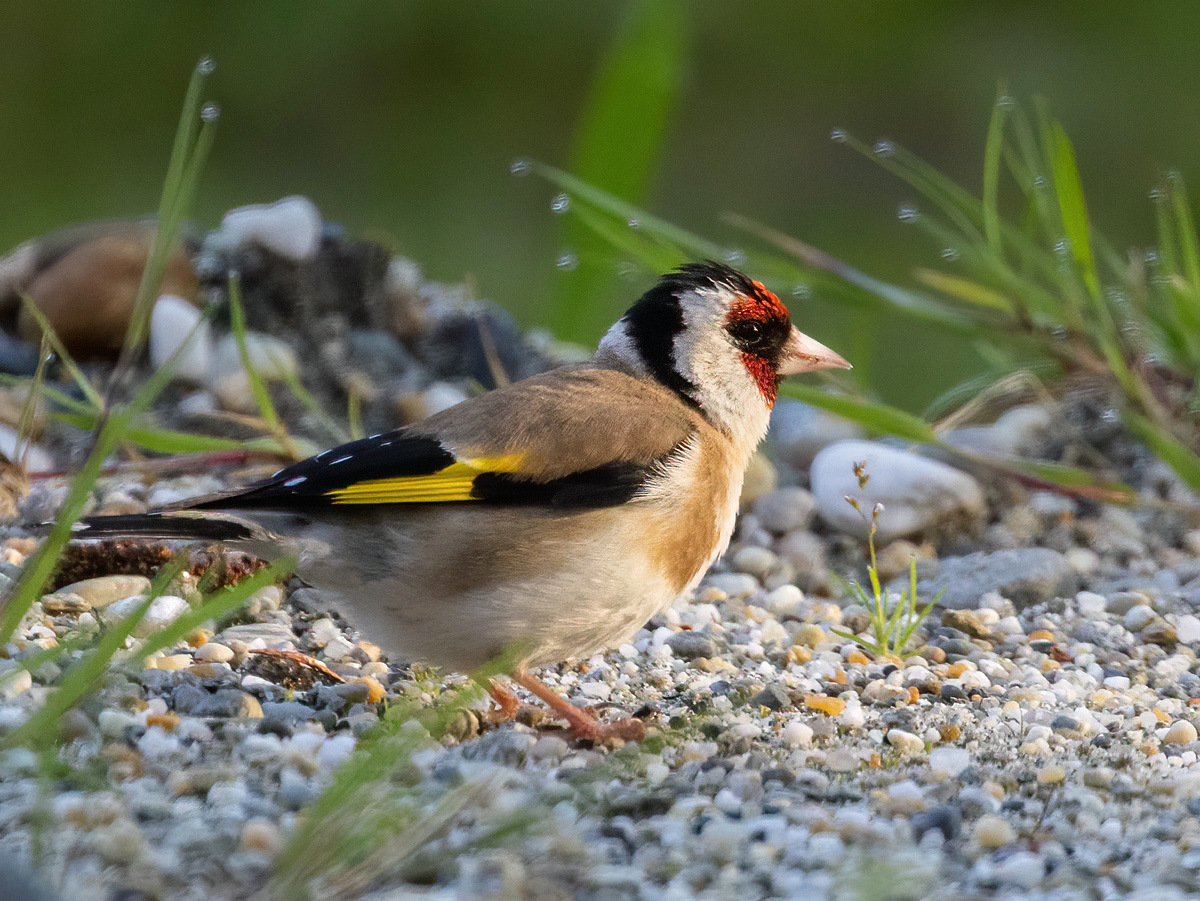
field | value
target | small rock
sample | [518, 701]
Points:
[290, 227]
[1051, 774]
[785, 510]
[98, 593]
[269, 633]
[120, 842]
[1181, 733]
[261, 835]
[945, 819]
[690, 645]
[1160, 632]
[1025, 576]
[797, 734]
[213, 652]
[905, 742]
[1139, 616]
[949, 760]
[735, 585]
[773, 697]
[755, 561]
[968, 621]
[993, 832]
[918, 494]
[1187, 629]
[15, 682]
[176, 326]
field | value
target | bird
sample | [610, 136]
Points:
[548, 519]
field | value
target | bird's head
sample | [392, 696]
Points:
[720, 340]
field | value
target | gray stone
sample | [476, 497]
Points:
[917, 494]
[691, 645]
[773, 697]
[270, 633]
[785, 509]
[1025, 576]
[95, 594]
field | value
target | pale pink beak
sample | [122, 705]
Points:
[802, 354]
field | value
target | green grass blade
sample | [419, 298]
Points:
[40, 565]
[619, 140]
[991, 175]
[48, 333]
[49, 392]
[1180, 458]
[966, 290]
[1069, 188]
[78, 681]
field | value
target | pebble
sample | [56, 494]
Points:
[993, 832]
[917, 493]
[949, 761]
[797, 734]
[1139, 616]
[95, 594]
[1181, 733]
[290, 227]
[177, 327]
[905, 742]
[1025, 576]
[691, 645]
[1051, 774]
[785, 510]
[213, 652]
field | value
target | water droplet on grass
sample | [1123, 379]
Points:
[567, 261]
[206, 66]
[838, 135]
[634, 223]
[1158, 193]
[735, 257]
[210, 112]
[950, 253]
[519, 167]
[560, 203]
[803, 292]
[1006, 102]
[1151, 256]
[908, 213]
[884, 148]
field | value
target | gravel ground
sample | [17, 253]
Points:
[1041, 743]
[1040, 750]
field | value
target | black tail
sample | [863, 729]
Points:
[183, 525]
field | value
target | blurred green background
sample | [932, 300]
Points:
[401, 121]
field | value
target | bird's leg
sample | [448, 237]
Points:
[583, 723]
[507, 703]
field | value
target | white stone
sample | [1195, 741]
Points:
[1139, 616]
[797, 734]
[1090, 604]
[949, 760]
[162, 612]
[272, 358]
[176, 325]
[11, 445]
[290, 227]
[905, 742]
[917, 493]
[15, 682]
[1187, 629]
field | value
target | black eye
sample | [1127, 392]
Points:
[748, 332]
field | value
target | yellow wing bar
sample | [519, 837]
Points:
[450, 484]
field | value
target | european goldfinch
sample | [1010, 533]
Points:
[554, 516]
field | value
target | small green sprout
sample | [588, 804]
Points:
[891, 631]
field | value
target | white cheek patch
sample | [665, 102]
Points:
[705, 355]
